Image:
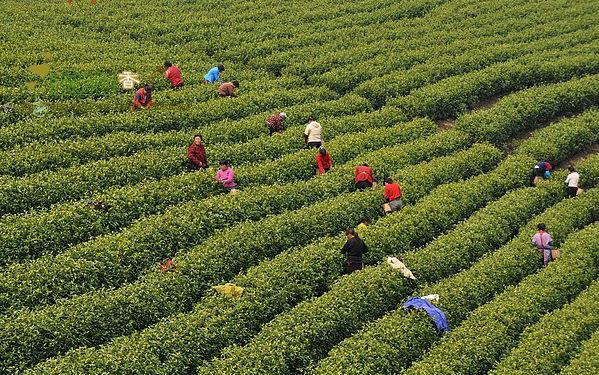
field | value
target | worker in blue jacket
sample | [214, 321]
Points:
[213, 74]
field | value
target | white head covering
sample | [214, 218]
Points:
[283, 115]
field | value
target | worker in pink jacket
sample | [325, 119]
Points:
[225, 176]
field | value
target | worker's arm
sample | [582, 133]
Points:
[345, 248]
[229, 176]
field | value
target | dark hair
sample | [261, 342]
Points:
[571, 168]
[235, 83]
[310, 118]
[148, 87]
[365, 220]
[168, 64]
[365, 164]
[322, 150]
[224, 162]
[221, 68]
[198, 135]
[541, 226]
[351, 231]
[388, 180]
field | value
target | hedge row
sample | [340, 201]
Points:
[307, 338]
[400, 83]
[555, 339]
[453, 95]
[36, 157]
[48, 232]
[163, 96]
[27, 283]
[494, 328]
[179, 291]
[390, 344]
[306, 333]
[531, 106]
[186, 117]
[45, 188]
[448, 31]
[27, 236]
[585, 363]
[213, 261]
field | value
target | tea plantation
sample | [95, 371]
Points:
[457, 100]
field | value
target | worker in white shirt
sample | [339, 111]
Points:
[572, 181]
[312, 134]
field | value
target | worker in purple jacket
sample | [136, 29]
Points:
[543, 241]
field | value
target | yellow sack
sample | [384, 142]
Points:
[229, 289]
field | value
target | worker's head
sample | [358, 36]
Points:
[221, 68]
[168, 64]
[350, 233]
[365, 164]
[388, 180]
[283, 115]
[365, 221]
[541, 226]
[149, 88]
[235, 83]
[310, 119]
[198, 139]
[224, 164]
[571, 168]
[322, 151]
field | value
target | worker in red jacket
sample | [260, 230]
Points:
[173, 74]
[323, 161]
[227, 89]
[196, 154]
[275, 123]
[143, 98]
[392, 195]
[363, 177]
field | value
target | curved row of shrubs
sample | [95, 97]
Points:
[494, 328]
[26, 234]
[390, 344]
[221, 257]
[36, 157]
[556, 338]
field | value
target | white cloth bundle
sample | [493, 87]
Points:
[398, 265]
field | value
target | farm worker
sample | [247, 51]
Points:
[364, 223]
[196, 154]
[323, 161]
[275, 122]
[227, 89]
[313, 133]
[225, 176]
[143, 98]
[354, 248]
[543, 241]
[363, 177]
[541, 168]
[173, 74]
[392, 195]
[213, 74]
[572, 181]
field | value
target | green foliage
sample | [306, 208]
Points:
[187, 285]
[494, 328]
[586, 362]
[555, 339]
[393, 342]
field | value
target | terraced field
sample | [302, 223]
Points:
[456, 99]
